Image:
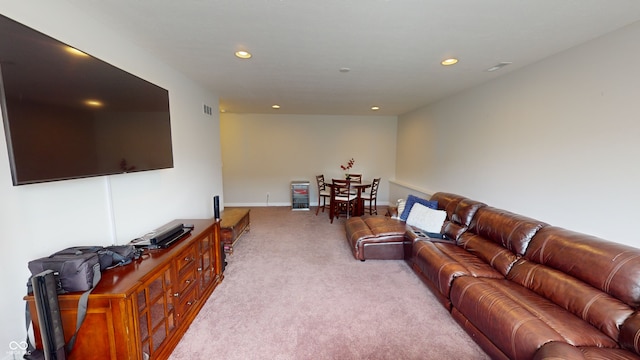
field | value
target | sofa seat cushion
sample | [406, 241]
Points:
[491, 253]
[380, 236]
[384, 226]
[563, 351]
[596, 353]
[376, 226]
[442, 262]
[518, 320]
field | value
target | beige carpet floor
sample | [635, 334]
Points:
[293, 290]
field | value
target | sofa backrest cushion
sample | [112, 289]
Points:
[507, 229]
[460, 211]
[608, 266]
[465, 210]
[600, 309]
[452, 230]
[447, 202]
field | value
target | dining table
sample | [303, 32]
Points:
[358, 187]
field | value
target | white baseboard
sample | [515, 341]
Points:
[263, 204]
[260, 204]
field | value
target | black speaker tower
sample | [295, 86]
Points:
[216, 207]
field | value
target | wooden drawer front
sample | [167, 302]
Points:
[186, 263]
[187, 278]
[186, 301]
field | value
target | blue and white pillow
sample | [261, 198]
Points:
[426, 219]
[412, 199]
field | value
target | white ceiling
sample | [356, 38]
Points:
[392, 47]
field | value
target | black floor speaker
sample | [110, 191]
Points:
[46, 301]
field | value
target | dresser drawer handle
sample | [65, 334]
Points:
[176, 294]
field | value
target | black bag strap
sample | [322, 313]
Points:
[82, 306]
[117, 259]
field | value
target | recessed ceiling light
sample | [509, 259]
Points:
[93, 103]
[375, 108]
[76, 52]
[449, 62]
[243, 54]
[275, 106]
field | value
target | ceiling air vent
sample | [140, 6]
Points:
[498, 66]
[207, 109]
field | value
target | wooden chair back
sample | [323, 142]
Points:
[374, 187]
[321, 185]
[341, 186]
[355, 178]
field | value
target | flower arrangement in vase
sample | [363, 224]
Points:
[347, 167]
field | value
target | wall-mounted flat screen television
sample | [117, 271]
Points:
[69, 115]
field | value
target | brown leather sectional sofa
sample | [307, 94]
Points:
[521, 288]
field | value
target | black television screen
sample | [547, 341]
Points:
[69, 115]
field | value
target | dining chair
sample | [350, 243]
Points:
[323, 193]
[355, 178]
[342, 201]
[371, 197]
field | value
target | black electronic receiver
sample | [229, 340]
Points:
[175, 237]
[163, 237]
[166, 234]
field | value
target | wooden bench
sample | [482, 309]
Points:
[233, 223]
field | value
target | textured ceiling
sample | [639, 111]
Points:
[392, 47]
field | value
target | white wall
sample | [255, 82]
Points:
[263, 153]
[557, 141]
[39, 219]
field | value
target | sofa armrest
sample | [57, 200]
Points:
[392, 211]
[414, 234]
